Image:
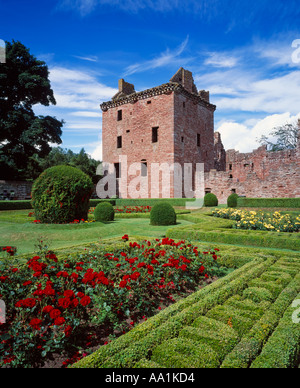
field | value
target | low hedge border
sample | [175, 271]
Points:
[26, 204]
[212, 229]
[253, 342]
[269, 202]
[152, 201]
[15, 205]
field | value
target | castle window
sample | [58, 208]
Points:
[198, 140]
[230, 167]
[118, 170]
[144, 170]
[182, 139]
[119, 142]
[230, 176]
[149, 102]
[155, 134]
[120, 116]
[183, 104]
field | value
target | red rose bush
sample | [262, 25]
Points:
[50, 302]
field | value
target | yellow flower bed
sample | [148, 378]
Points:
[257, 220]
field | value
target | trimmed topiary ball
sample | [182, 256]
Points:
[232, 200]
[104, 212]
[162, 214]
[210, 200]
[61, 194]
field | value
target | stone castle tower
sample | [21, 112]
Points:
[170, 123]
[174, 124]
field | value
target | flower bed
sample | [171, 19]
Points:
[81, 221]
[252, 220]
[133, 209]
[50, 303]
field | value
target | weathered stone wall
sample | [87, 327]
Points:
[259, 174]
[135, 128]
[22, 189]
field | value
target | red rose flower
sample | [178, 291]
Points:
[123, 284]
[68, 331]
[85, 301]
[55, 314]
[35, 324]
[135, 275]
[59, 321]
[64, 302]
[47, 309]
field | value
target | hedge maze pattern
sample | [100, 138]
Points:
[243, 320]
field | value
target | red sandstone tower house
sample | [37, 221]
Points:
[172, 123]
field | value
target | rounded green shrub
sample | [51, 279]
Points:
[104, 212]
[61, 194]
[232, 200]
[162, 214]
[210, 200]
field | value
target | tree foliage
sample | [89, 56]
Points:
[24, 82]
[59, 156]
[286, 137]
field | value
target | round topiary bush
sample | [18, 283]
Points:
[162, 214]
[232, 200]
[61, 194]
[210, 200]
[104, 212]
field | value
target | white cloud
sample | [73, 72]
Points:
[96, 153]
[243, 136]
[85, 7]
[278, 51]
[164, 59]
[84, 125]
[221, 60]
[89, 59]
[76, 89]
[86, 114]
[249, 91]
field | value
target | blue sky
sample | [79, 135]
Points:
[244, 52]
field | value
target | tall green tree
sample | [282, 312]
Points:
[59, 156]
[24, 82]
[286, 137]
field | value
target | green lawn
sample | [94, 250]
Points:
[241, 320]
[17, 229]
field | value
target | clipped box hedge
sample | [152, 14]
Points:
[269, 202]
[26, 204]
[223, 325]
[152, 201]
[15, 205]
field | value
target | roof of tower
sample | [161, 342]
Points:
[181, 82]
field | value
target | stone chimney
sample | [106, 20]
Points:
[125, 89]
[185, 78]
[204, 94]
